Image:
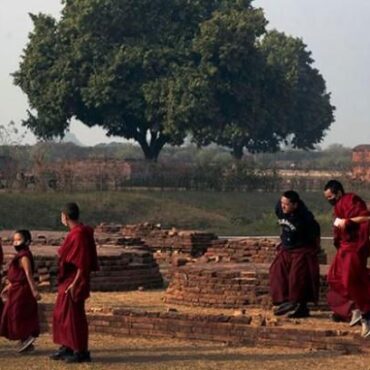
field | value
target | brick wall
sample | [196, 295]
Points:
[236, 330]
[120, 269]
[226, 285]
[254, 250]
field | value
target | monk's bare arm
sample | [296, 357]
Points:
[342, 222]
[26, 265]
[360, 219]
[5, 289]
[77, 277]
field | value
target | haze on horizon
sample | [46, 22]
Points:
[335, 31]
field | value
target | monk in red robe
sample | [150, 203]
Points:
[19, 320]
[77, 259]
[1, 273]
[294, 273]
[348, 276]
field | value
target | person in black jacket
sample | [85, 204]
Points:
[294, 273]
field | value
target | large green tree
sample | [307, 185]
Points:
[261, 88]
[158, 70]
[112, 63]
[307, 110]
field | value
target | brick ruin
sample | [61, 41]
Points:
[217, 272]
[251, 249]
[361, 163]
[167, 245]
[255, 329]
[227, 285]
[231, 274]
[206, 272]
[124, 264]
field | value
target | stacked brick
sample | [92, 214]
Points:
[121, 269]
[167, 245]
[105, 235]
[189, 242]
[130, 270]
[242, 250]
[231, 274]
[241, 330]
[226, 285]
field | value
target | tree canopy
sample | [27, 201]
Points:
[157, 71]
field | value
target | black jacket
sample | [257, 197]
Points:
[299, 228]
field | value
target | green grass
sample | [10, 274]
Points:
[232, 213]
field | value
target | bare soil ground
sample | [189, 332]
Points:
[155, 354]
[110, 352]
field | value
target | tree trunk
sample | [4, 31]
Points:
[152, 148]
[237, 152]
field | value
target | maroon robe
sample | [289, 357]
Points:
[78, 251]
[1, 275]
[1, 255]
[19, 319]
[295, 275]
[348, 276]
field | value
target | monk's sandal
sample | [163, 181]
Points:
[26, 344]
[356, 318]
[365, 328]
[61, 354]
[78, 357]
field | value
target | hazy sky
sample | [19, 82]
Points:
[336, 31]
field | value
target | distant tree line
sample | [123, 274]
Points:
[48, 165]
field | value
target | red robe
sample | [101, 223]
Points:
[348, 276]
[1, 275]
[19, 319]
[295, 275]
[78, 251]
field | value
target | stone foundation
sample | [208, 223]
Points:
[120, 269]
[167, 245]
[235, 330]
[250, 249]
[226, 285]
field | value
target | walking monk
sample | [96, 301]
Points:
[77, 258]
[348, 276]
[294, 274]
[1, 273]
[19, 320]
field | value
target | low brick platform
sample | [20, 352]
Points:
[250, 249]
[226, 285]
[237, 330]
[167, 245]
[121, 268]
[103, 237]
[191, 242]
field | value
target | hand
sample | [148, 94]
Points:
[37, 295]
[340, 223]
[70, 289]
[4, 293]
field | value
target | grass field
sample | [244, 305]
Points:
[223, 213]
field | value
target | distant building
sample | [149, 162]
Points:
[361, 163]
[8, 167]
